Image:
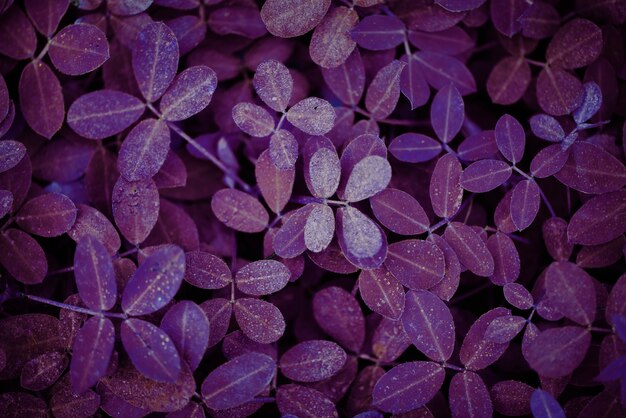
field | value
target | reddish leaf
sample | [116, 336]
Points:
[576, 44]
[571, 291]
[416, 264]
[470, 249]
[283, 149]
[476, 351]
[48, 215]
[41, 99]
[292, 18]
[558, 92]
[319, 228]
[446, 193]
[384, 90]
[42, 371]
[144, 150]
[447, 113]
[18, 39]
[190, 92]
[78, 49]
[368, 177]
[187, 325]
[362, 241]
[239, 211]
[331, 43]
[347, 81]
[379, 32]
[22, 256]
[504, 328]
[557, 352]
[91, 353]
[312, 115]
[508, 80]
[338, 313]
[135, 208]
[485, 175]
[510, 138]
[95, 277]
[399, 212]
[253, 120]
[259, 320]
[382, 292]
[296, 400]
[312, 361]
[414, 148]
[441, 70]
[262, 277]
[11, 153]
[469, 396]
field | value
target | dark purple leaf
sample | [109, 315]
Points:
[312, 115]
[469, 396]
[525, 202]
[576, 44]
[382, 292]
[91, 353]
[379, 32]
[556, 352]
[135, 208]
[319, 228]
[361, 240]
[446, 193]
[360, 398]
[347, 80]
[322, 169]
[22, 256]
[447, 113]
[558, 92]
[247, 24]
[259, 320]
[548, 161]
[416, 264]
[470, 249]
[399, 212]
[287, 19]
[504, 328]
[275, 184]
[602, 255]
[6, 201]
[441, 70]
[592, 100]
[236, 343]
[253, 120]
[192, 410]
[414, 148]
[18, 181]
[22, 405]
[144, 150]
[361, 147]
[41, 99]
[218, 311]
[510, 138]
[206, 271]
[262, 277]
[450, 41]
[368, 177]
[518, 296]
[190, 92]
[95, 277]
[289, 241]
[508, 80]
[505, 257]
[174, 226]
[11, 153]
[17, 36]
[338, 313]
[477, 352]
[447, 287]
[331, 44]
[239, 211]
[48, 215]
[546, 127]
[505, 15]
[78, 49]
[543, 405]
[384, 90]
[511, 397]
[389, 340]
[571, 291]
[540, 20]
[312, 361]
[173, 172]
[413, 83]
[42, 371]
[238, 381]
[283, 149]
[274, 84]
[64, 403]
[295, 400]
[188, 327]
[485, 175]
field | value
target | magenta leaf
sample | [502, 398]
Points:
[322, 170]
[477, 352]
[384, 90]
[48, 215]
[135, 208]
[42, 371]
[18, 39]
[571, 291]
[144, 150]
[469, 396]
[253, 119]
[78, 49]
[447, 113]
[382, 292]
[295, 400]
[90, 221]
[238, 381]
[95, 277]
[470, 249]
[361, 240]
[312, 115]
[591, 103]
[556, 352]
[262, 277]
[91, 353]
[22, 256]
[239, 211]
[485, 175]
[506, 259]
[190, 92]
[408, 386]
[155, 60]
[347, 81]
[399, 212]
[283, 149]
[446, 193]
[41, 99]
[151, 350]
[287, 19]
[510, 138]
[188, 327]
[319, 228]
[275, 184]
[576, 44]
[368, 177]
[416, 264]
[312, 361]
[429, 325]
[543, 405]
[206, 270]
[379, 32]
[331, 44]
[518, 296]
[338, 313]
[155, 282]
[504, 328]
[508, 80]
[441, 70]
[599, 220]
[11, 153]
[259, 320]
[274, 84]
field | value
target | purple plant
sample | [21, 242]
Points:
[314, 208]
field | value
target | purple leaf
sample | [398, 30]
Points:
[6, 201]
[95, 277]
[206, 271]
[283, 149]
[42, 371]
[322, 169]
[525, 202]
[548, 161]
[65, 403]
[288, 19]
[446, 193]
[558, 92]
[508, 80]
[253, 120]
[505, 258]
[190, 92]
[312, 361]
[479, 146]
[504, 328]
[413, 83]
[362, 241]
[312, 115]
[262, 277]
[91, 353]
[18, 39]
[192, 410]
[103, 113]
[470, 249]
[599, 220]
[543, 405]
[275, 184]
[546, 127]
[126, 8]
[361, 147]
[382, 292]
[319, 228]
[447, 287]
[144, 150]
[155, 60]
[511, 397]
[485, 175]
[347, 81]
[155, 282]
[90, 221]
[414, 148]
[331, 44]
[18, 180]
[505, 15]
[447, 113]
[274, 84]
[540, 20]
[576, 44]
[295, 400]
[78, 49]
[236, 343]
[5, 103]
[476, 351]
[368, 177]
[247, 24]
[289, 241]
[429, 325]
[441, 70]
[239, 210]
[219, 312]
[188, 327]
[518, 296]
[592, 100]
[151, 350]
[557, 352]
[338, 313]
[571, 291]
[510, 138]
[450, 41]
[460, 5]
[48, 215]
[399, 212]
[469, 396]
[135, 208]
[259, 320]
[190, 31]
[389, 340]
[41, 99]
[416, 264]
[379, 32]
[11, 153]
[384, 90]
[238, 381]
[22, 256]
[12, 404]
[408, 386]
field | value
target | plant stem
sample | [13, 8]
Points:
[75, 308]
[536, 63]
[60, 271]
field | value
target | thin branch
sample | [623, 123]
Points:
[75, 308]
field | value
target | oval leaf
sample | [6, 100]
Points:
[206, 271]
[379, 32]
[239, 210]
[331, 43]
[525, 202]
[319, 228]
[259, 320]
[41, 99]
[190, 92]
[384, 90]
[253, 119]
[22, 256]
[576, 44]
[368, 177]
[312, 115]
[570, 290]
[274, 84]
[447, 113]
[11, 153]
[382, 292]
[557, 352]
[599, 220]
[485, 175]
[188, 327]
[283, 149]
[470, 249]
[312, 361]
[275, 184]
[135, 208]
[94, 273]
[48, 215]
[446, 193]
[543, 405]
[144, 150]
[416, 264]
[511, 138]
[296, 400]
[414, 148]
[91, 353]
[78, 49]
[399, 212]
[338, 313]
[362, 241]
[287, 19]
[469, 396]
[262, 277]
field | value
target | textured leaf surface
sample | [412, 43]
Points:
[78, 49]
[253, 119]
[144, 150]
[190, 92]
[90, 221]
[446, 193]
[441, 70]
[506, 259]
[576, 44]
[296, 400]
[571, 291]
[259, 320]
[17, 36]
[504, 328]
[546, 127]
[399, 212]
[591, 103]
[322, 170]
[485, 175]
[447, 113]
[548, 161]
[91, 353]
[556, 352]
[95, 277]
[274, 84]
[362, 241]
[135, 208]
[416, 264]
[470, 249]
[42, 371]
[518, 296]
[508, 80]
[294, 17]
[525, 202]
[379, 32]
[382, 292]
[599, 220]
[469, 396]
[239, 211]
[283, 149]
[188, 327]
[48, 215]
[206, 270]
[331, 43]
[11, 153]
[338, 313]
[319, 228]
[347, 80]
[368, 177]
[476, 351]
[312, 115]
[312, 361]
[384, 90]
[262, 277]
[558, 92]
[41, 99]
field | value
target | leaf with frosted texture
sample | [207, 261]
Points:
[384, 90]
[11, 153]
[291, 18]
[362, 241]
[543, 405]
[485, 175]
[470, 249]
[469, 396]
[382, 292]
[546, 127]
[368, 177]
[447, 113]
[14, 404]
[17, 36]
[65, 403]
[599, 220]
[144, 150]
[591, 103]
[128, 8]
[155, 59]
[476, 351]
[262, 277]
[6, 202]
[188, 327]
[312, 115]
[557, 352]
[135, 208]
[22, 256]
[508, 80]
[415, 263]
[95, 277]
[283, 149]
[504, 328]
[47, 215]
[206, 271]
[429, 324]
[218, 311]
[78, 49]
[441, 70]
[571, 291]
[518, 296]
[289, 240]
[446, 193]
[104, 113]
[506, 259]
[511, 397]
[319, 228]
[558, 92]
[275, 184]
[413, 83]
[151, 350]
[347, 80]
[331, 43]
[42, 371]
[379, 32]
[190, 92]
[155, 282]
[312, 361]
[525, 202]
[253, 119]
[90, 221]
[408, 386]
[399, 212]
[510, 138]
[18, 180]
[338, 313]
[548, 161]
[591, 169]
[91, 353]
[41, 99]
[259, 320]
[322, 167]
[295, 400]
[239, 210]
[274, 84]
[576, 44]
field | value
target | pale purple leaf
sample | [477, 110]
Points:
[190, 92]
[361, 147]
[135, 208]
[571, 291]
[447, 113]
[429, 324]
[41, 99]
[347, 80]
[510, 138]
[155, 59]
[259, 320]
[239, 210]
[508, 80]
[91, 353]
[95, 277]
[485, 175]
[155, 282]
[262, 277]
[505, 257]
[504, 328]
[592, 100]
[274, 84]
[322, 170]
[312, 115]
[103, 113]
[338, 313]
[384, 90]
[543, 405]
[379, 32]
[441, 70]
[206, 271]
[469, 396]
[415, 263]
[525, 202]
[11, 153]
[319, 228]
[90, 221]
[299, 401]
[22, 256]
[144, 150]
[408, 386]
[548, 161]
[599, 220]
[18, 39]
[283, 149]
[518, 296]
[576, 44]
[253, 119]
[368, 177]
[413, 83]
[188, 327]
[446, 193]
[312, 361]
[78, 49]
[558, 92]
[275, 184]
[414, 148]
[546, 127]
[476, 351]
[48, 215]
[127, 8]
[362, 241]
[399, 212]
[470, 249]
[331, 44]
[151, 350]
[6, 202]
[382, 292]
[557, 352]
[287, 19]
